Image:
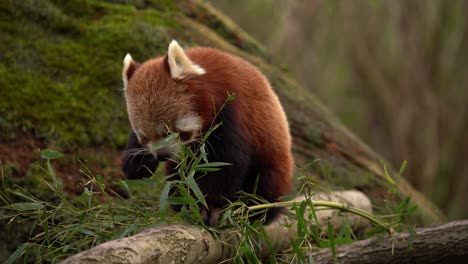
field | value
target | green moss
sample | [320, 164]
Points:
[315, 136]
[204, 13]
[43, 13]
[60, 71]
[339, 176]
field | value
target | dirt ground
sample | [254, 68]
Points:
[21, 152]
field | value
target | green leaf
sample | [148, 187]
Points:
[387, 175]
[46, 226]
[314, 230]
[18, 252]
[89, 233]
[50, 154]
[207, 169]
[403, 205]
[231, 97]
[301, 225]
[297, 251]
[100, 182]
[377, 230]
[120, 218]
[163, 198]
[412, 236]
[180, 200]
[226, 216]
[331, 239]
[412, 209]
[196, 190]
[165, 141]
[312, 210]
[125, 186]
[208, 133]
[402, 168]
[212, 165]
[26, 206]
[129, 230]
[203, 153]
[52, 174]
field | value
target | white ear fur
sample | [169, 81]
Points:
[127, 62]
[179, 64]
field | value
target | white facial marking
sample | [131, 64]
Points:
[180, 64]
[127, 62]
[188, 123]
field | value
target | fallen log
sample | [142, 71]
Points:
[446, 243]
[179, 243]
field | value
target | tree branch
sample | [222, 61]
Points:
[178, 243]
[446, 243]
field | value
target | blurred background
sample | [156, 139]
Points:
[395, 72]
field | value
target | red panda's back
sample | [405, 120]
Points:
[261, 116]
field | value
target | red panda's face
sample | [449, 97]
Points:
[158, 102]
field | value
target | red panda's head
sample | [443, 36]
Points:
[158, 100]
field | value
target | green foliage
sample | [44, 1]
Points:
[64, 226]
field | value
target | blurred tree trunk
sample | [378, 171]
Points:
[400, 94]
[398, 70]
[325, 151]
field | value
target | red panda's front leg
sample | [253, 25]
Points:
[210, 216]
[137, 163]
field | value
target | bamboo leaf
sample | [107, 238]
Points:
[402, 168]
[163, 198]
[196, 190]
[331, 239]
[18, 252]
[50, 154]
[165, 141]
[389, 178]
[212, 165]
[26, 206]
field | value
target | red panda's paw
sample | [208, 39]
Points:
[210, 216]
[214, 214]
[204, 214]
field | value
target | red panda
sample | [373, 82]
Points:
[182, 92]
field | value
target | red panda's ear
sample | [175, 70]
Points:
[179, 63]
[128, 69]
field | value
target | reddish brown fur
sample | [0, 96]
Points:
[153, 97]
[147, 86]
[263, 120]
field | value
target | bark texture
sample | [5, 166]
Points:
[446, 243]
[162, 244]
